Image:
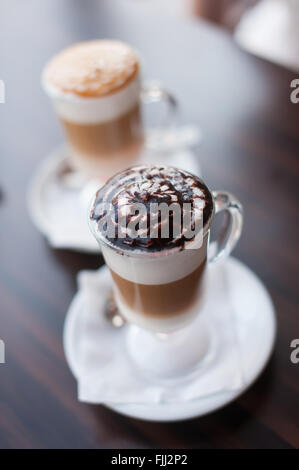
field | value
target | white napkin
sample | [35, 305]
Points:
[107, 375]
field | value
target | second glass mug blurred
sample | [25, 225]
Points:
[161, 338]
[104, 136]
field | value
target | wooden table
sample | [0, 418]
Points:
[250, 147]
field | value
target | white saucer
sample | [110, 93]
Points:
[59, 210]
[255, 328]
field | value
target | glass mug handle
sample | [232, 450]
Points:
[228, 238]
[153, 92]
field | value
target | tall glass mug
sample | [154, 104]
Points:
[96, 91]
[159, 282]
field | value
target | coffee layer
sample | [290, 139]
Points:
[121, 137]
[161, 300]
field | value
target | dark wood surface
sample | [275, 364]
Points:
[250, 147]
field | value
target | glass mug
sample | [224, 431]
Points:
[105, 133]
[159, 293]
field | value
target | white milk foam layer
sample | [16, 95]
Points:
[81, 110]
[161, 269]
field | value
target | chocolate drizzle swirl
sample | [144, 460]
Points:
[148, 184]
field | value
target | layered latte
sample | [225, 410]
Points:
[158, 279]
[95, 88]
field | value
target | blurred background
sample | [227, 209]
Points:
[268, 28]
[230, 64]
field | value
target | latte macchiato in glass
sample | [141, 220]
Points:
[158, 281]
[95, 89]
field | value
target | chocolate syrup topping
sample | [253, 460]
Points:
[149, 185]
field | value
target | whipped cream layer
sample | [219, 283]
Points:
[84, 111]
[159, 269]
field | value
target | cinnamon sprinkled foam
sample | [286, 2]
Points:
[92, 69]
